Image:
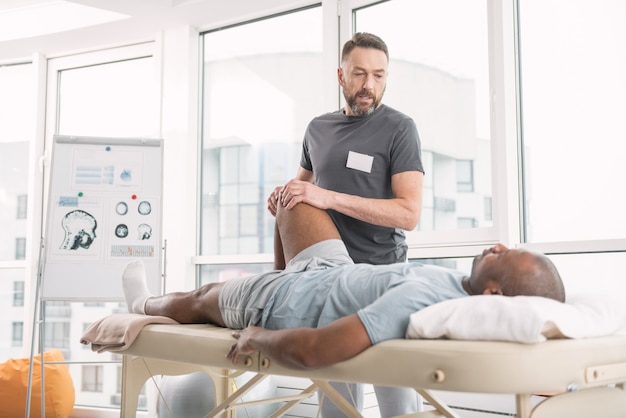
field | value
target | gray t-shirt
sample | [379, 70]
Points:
[358, 155]
[383, 296]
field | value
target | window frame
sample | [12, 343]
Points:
[548, 247]
[504, 153]
[331, 98]
[507, 150]
[504, 157]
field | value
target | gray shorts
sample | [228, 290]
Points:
[242, 300]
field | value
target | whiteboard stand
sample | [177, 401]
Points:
[104, 210]
[37, 337]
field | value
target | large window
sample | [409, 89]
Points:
[108, 99]
[17, 127]
[494, 171]
[113, 93]
[261, 87]
[573, 98]
[439, 75]
[573, 90]
[17, 117]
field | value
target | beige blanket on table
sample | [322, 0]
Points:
[117, 332]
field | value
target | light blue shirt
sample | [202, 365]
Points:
[383, 296]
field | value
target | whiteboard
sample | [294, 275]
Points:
[104, 210]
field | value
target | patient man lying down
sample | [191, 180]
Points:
[322, 308]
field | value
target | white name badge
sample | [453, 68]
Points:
[359, 161]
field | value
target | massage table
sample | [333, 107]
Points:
[586, 375]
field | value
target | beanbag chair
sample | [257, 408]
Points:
[59, 388]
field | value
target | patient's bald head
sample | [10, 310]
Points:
[499, 270]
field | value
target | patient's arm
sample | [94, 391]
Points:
[304, 348]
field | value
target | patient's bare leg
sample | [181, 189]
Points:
[198, 306]
[299, 228]
[279, 257]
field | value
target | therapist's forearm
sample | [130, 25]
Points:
[392, 213]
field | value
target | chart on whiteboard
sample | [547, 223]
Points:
[106, 213]
[104, 208]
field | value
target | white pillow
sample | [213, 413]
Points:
[525, 319]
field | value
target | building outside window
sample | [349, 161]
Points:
[18, 293]
[20, 248]
[465, 176]
[17, 334]
[22, 202]
[57, 336]
[92, 378]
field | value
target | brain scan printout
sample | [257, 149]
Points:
[80, 230]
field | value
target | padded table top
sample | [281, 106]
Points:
[452, 365]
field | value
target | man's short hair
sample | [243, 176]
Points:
[538, 277]
[364, 40]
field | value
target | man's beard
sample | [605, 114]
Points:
[354, 107]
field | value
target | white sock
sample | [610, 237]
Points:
[136, 290]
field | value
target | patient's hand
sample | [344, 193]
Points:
[245, 343]
[304, 348]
